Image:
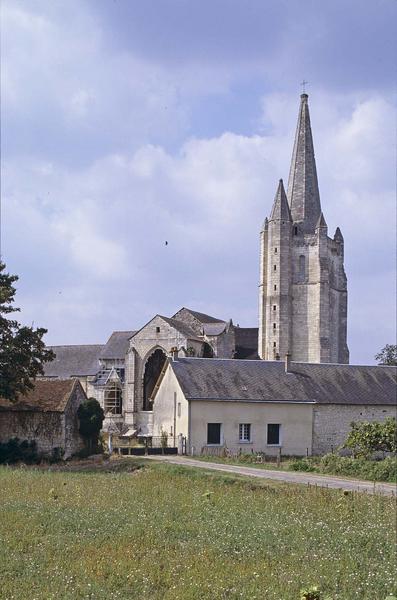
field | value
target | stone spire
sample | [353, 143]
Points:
[303, 194]
[280, 210]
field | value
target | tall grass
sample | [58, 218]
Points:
[168, 532]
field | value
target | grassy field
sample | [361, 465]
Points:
[163, 532]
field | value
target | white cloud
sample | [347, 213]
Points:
[109, 222]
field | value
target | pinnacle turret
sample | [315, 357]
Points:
[303, 193]
[265, 225]
[338, 237]
[280, 210]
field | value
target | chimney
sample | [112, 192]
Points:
[288, 362]
[174, 353]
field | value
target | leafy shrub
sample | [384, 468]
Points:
[332, 464]
[302, 464]
[15, 450]
[91, 416]
[57, 454]
[365, 438]
[83, 453]
[312, 593]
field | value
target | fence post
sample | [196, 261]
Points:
[279, 457]
[146, 447]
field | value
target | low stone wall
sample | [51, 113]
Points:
[46, 428]
[332, 423]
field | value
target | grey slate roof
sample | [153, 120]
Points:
[246, 339]
[184, 329]
[117, 344]
[203, 318]
[266, 381]
[73, 361]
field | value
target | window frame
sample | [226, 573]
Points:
[241, 433]
[277, 445]
[220, 443]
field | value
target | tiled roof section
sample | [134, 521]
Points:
[266, 381]
[47, 396]
[246, 339]
[184, 329]
[117, 344]
[203, 318]
[73, 361]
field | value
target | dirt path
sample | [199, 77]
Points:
[386, 489]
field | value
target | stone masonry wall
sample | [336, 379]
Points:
[331, 423]
[142, 345]
[278, 297]
[44, 427]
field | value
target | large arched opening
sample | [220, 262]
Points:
[153, 368]
[208, 351]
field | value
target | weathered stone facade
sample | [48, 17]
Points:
[47, 415]
[188, 335]
[332, 423]
[303, 285]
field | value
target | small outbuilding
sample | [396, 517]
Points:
[268, 406]
[46, 414]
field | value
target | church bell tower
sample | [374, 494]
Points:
[303, 285]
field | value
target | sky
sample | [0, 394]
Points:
[129, 123]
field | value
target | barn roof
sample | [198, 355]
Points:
[47, 396]
[73, 361]
[267, 381]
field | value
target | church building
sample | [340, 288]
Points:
[303, 285]
[285, 384]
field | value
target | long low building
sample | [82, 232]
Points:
[265, 406]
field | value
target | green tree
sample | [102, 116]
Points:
[387, 356]
[91, 417]
[367, 437]
[22, 349]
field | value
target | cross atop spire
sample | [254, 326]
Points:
[304, 84]
[303, 194]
